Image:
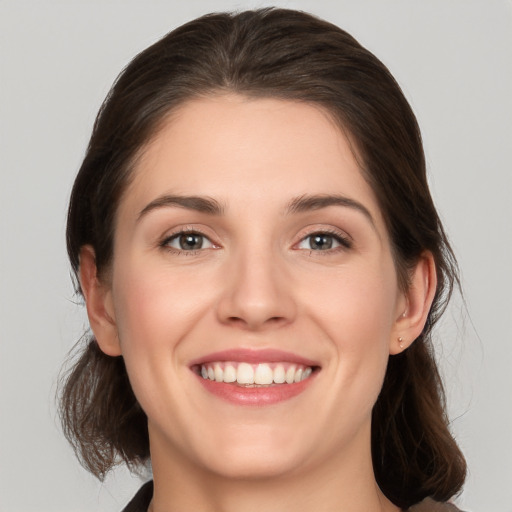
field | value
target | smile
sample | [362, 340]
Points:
[255, 377]
[261, 374]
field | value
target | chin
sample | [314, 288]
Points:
[254, 465]
[254, 453]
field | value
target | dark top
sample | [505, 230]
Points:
[141, 500]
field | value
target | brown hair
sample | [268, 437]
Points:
[290, 55]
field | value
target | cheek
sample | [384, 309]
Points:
[357, 311]
[358, 306]
[154, 307]
[154, 311]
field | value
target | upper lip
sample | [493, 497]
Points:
[254, 356]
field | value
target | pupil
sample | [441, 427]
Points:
[190, 242]
[322, 242]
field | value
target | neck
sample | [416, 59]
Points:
[344, 483]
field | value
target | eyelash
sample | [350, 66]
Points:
[164, 244]
[345, 243]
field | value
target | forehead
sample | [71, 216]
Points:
[231, 147]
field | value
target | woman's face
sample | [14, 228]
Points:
[249, 251]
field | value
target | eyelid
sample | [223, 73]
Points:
[178, 236]
[184, 230]
[344, 240]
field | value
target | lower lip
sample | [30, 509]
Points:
[256, 396]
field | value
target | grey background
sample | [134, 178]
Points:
[58, 59]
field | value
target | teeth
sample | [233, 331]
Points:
[290, 375]
[262, 374]
[245, 374]
[218, 372]
[229, 373]
[279, 374]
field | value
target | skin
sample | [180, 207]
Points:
[257, 283]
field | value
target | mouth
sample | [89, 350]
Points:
[253, 377]
[247, 374]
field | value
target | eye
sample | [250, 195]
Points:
[323, 242]
[188, 241]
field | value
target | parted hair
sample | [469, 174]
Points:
[294, 56]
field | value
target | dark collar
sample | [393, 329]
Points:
[140, 502]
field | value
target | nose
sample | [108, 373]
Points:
[257, 293]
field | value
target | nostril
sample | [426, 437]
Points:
[276, 319]
[236, 320]
[254, 323]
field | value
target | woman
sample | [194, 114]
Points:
[262, 265]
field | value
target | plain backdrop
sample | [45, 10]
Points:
[453, 59]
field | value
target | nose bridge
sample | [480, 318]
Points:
[256, 292]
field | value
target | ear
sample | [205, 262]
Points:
[98, 300]
[415, 304]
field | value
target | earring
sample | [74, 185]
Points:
[401, 342]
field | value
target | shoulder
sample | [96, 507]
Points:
[429, 505]
[140, 502]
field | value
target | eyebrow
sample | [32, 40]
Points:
[299, 204]
[197, 203]
[306, 203]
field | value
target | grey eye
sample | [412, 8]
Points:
[319, 242]
[189, 242]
